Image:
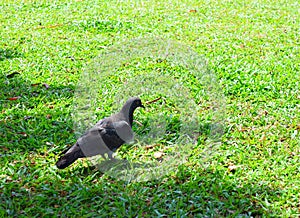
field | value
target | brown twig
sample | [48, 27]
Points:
[50, 26]
[152, 101]
[137, 122]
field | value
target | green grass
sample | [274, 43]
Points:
[251, 46]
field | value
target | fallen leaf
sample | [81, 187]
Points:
[50, 26]
[32, 189]
[48, 116]
[150, 146]
[22, 133]
[35, 84]
[158, 154]
[263, 138]
[13, 98]
[148, 202]
[232, 168]
[63, 193]
[192, 11]
[5, 148]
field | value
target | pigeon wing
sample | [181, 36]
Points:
[106, 137]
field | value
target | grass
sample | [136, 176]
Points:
[251, 46]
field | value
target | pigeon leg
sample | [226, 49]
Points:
[110, 155]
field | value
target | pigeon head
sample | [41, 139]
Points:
[129, 107]
[136, 102]
[133, 103]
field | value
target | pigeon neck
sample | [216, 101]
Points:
[128, 110]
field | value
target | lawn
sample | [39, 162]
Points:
[252, 49]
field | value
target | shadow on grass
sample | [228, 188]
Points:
[40, 117]
[33, 115]
[89, 193]
[215, 193]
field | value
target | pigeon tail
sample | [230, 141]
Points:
[70, 157]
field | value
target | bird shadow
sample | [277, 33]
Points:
[24, 129]
[121, 164]
[115, 168]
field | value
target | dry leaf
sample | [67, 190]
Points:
[5, 148]
[63, 193]
[150, 146]
[158, 154]
[22, 133]
[148, 202]
[35, 84]
[232, 168]
[50, 26]
[13, 98]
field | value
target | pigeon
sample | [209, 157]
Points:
[105, 137]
